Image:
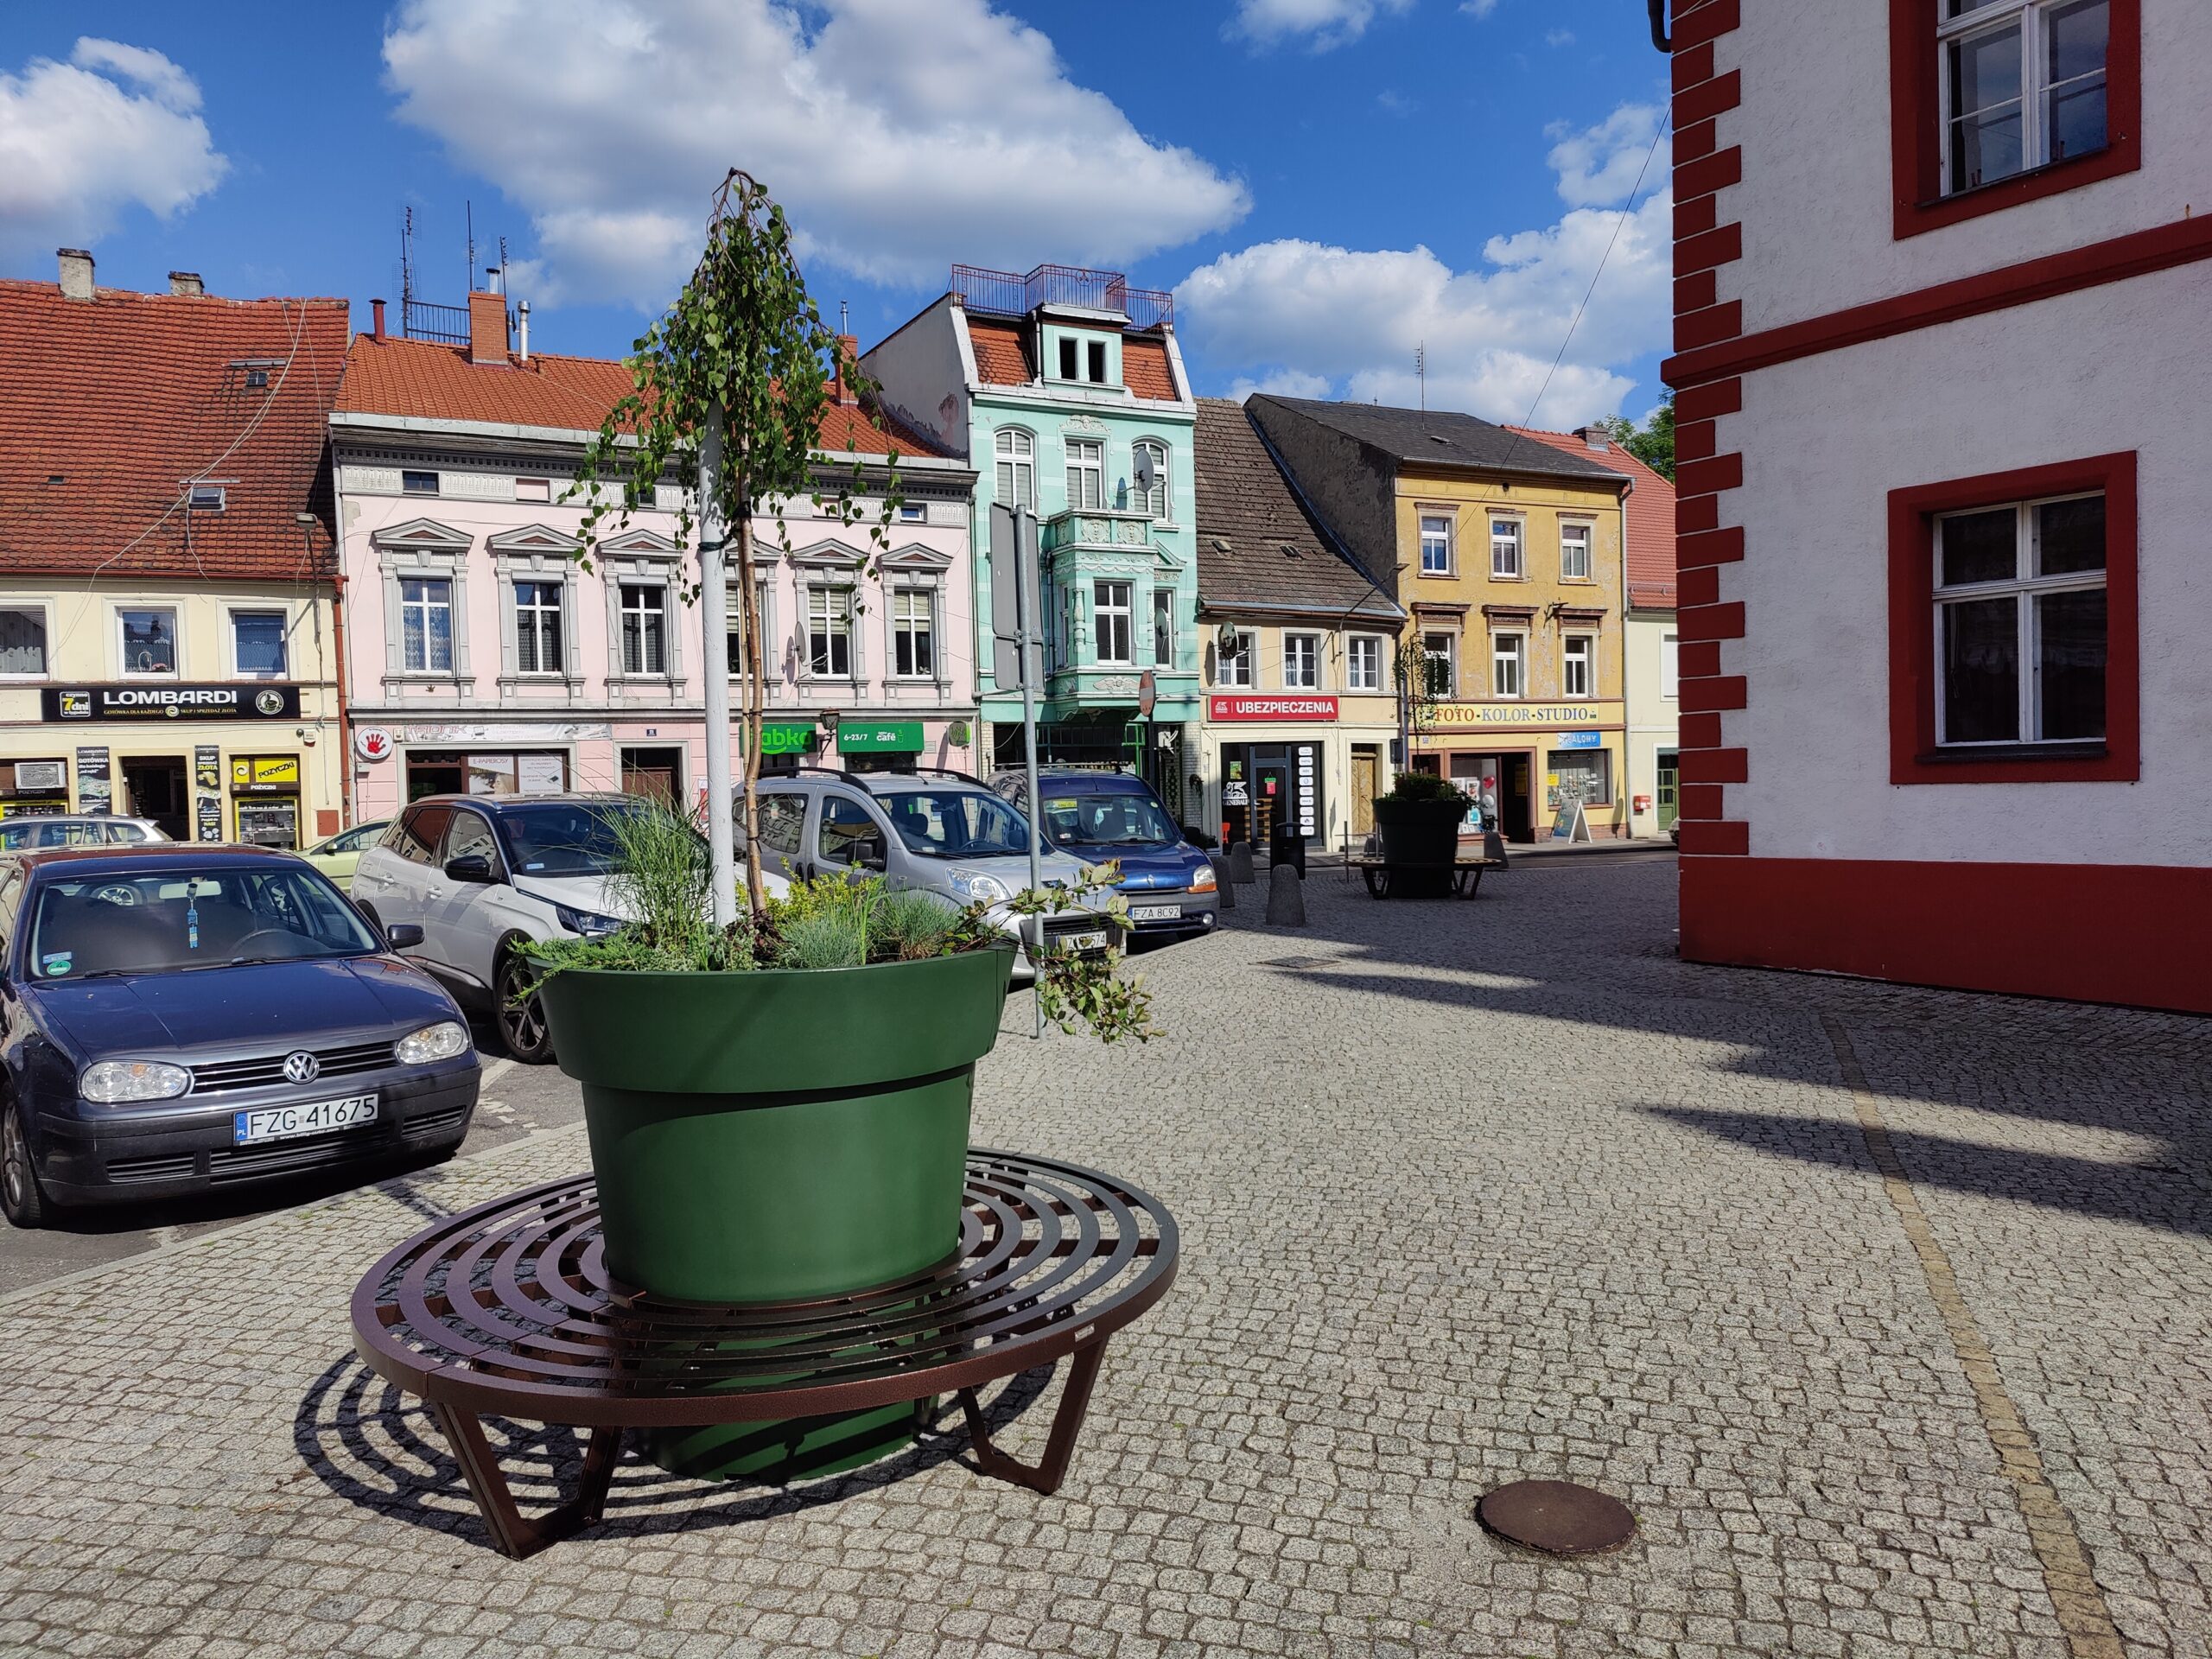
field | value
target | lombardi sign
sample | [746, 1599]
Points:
[82, 702]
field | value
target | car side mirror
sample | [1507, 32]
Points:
[472, 867]
[400, 935]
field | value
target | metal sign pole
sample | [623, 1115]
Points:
[1024, 549]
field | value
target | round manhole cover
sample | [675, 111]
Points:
[1557, 1517]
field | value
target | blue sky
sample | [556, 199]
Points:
[1324, 183]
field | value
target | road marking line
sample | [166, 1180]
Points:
[2066, 1574]
[494, 1072]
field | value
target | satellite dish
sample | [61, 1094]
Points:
[1227, 640]
[1148, 471]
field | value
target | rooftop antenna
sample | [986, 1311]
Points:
[468, 208]
[1421, 370]
[406, 262]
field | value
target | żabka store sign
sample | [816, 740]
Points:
[1281, 706]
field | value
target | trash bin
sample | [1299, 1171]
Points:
[1287, 846]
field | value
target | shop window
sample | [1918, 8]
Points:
[1439, 662]
[2013, 627]
[426, 625]
[148, 640]
[1363, 663]
[22, 640]
[914, 632]
[1111, 601]
[830, 632]
[1509, 664]
[1086, 459]
[537, 628]
[1578, 665]
[257, 642]
[1575, 552]
[1301, 662]
[645, 628]
[1584, 775]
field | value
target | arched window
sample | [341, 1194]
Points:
[1148, 458]
[1016, 453]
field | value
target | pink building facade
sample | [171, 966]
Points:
[484, 656]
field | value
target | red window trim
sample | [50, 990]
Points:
[1912, 634]
[1917, 136]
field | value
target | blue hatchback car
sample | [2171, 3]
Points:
[174, 1019]
[1168, 883]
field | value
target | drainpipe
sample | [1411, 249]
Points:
[1659, 26]
[1628, 684]
[344, 736]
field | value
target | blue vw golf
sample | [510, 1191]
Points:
[175, 1019]
[1097, 815]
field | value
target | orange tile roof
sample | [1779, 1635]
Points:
[1145, 369]
[111, 406]
[999, 360]
[1650, 519]
[423, 380]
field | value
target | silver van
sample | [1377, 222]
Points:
[933, 831]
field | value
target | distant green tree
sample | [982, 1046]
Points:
[1655, 445]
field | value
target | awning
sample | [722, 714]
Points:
[879, 737]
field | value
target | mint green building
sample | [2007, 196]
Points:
[1065, 390]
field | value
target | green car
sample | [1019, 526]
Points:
[336, 857]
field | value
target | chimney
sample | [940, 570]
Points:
[1595, 436]
[521, 330]
[849, 350]
[487, 327]
[187, 283]
[376, 314]
[76, 273]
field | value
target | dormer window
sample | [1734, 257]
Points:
[208, 498]
[257, 379]
[1071, 356]
[1083, 359]
[1097, 362]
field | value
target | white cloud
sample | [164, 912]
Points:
[1599, 165]
[1331, 24]
[1310, 319]
[900, 138]
[115, 126]
[1559, 37]
[1478, 7]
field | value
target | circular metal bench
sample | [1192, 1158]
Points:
[508, 1310]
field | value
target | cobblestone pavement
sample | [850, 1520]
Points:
[1470, 1193]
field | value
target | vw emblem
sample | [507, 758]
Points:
[299, 1066]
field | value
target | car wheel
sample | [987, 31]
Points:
[522, 1019]
[20, 1199]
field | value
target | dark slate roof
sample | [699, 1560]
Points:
[1257, 545]
[1440, 438]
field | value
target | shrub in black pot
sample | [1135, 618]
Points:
[1418, 825]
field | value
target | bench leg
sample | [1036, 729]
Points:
[517, 1535]
[1059, 1447]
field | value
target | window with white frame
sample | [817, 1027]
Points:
[1509, 664]
[1067, 631]
[1436, 544]
[1578, 665]
[1301, 662]
[829, 632]
[148, 638]
[1574, 551]
[1233, 667]
[1505, 549]
[425, 625]
[733, 643]
[22, 640]
[1110, 618]
[914, 632]
[645, 627]
[2023, 86]
[1015, 453]
[1163, 627]
[2020, 636]
[1148, 458]
[1439, 652]
[1086, 472]
[537, 628]
[257, 643]
[1670, 665]
[1363, 663]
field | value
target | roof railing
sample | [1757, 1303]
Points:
[445, 324]
[1010, 294]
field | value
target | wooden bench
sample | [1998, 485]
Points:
[1462, 878]
[508, 1310]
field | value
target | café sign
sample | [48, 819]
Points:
[95, 702]
[1495, 714]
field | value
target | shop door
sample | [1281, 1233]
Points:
[1366, 784]
[155, 788]
[1272, 801]
[1514, 774]
[656, 774]
[1670, 782]
[1479, 775]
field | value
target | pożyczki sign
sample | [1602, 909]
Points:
[80, 703]
[1282, 705]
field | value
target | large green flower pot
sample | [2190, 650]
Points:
[776, 1135]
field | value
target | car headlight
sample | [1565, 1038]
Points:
[112, 1082]
[1203, 880]
[439, 1042]
[973, 887]
[589, 922]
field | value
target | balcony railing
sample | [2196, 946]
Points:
[445, 324]
[1005, 293]
[1096, 527]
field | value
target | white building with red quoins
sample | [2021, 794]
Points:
[1941, 306]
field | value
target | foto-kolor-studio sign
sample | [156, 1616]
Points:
[171, 703]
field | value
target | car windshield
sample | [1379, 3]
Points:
[955, 823]
[172, 920]
[1116, 820]
[562, 838]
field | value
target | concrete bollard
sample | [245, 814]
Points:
[1285, 897]
[1222, 884]
[1240, 863]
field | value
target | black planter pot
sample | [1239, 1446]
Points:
[1421, 836]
